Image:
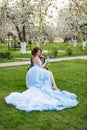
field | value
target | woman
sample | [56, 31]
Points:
[42, 92]
[36, 53]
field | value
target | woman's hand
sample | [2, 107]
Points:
[47, 60]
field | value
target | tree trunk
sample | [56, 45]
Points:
[19, 34]
[24, 33]
[22, 39]
[23, 47]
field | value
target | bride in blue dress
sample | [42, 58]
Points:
[42, 93]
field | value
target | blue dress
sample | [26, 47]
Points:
[40, 95]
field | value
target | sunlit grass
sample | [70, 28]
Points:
[17, 56]
[69, 75]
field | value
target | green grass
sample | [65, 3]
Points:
[17, 56]
[69, 75]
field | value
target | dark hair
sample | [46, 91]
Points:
[35, 50]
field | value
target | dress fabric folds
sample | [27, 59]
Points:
[39, 95]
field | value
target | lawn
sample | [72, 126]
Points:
[58, 49]
[69, 75]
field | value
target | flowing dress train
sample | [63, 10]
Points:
[40, 95]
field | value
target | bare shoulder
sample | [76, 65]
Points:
[36, 59]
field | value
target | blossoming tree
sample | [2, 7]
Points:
[26, 15]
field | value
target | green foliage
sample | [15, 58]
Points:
[6, 55]
[69, 75]
[53, 51]
[69, 50]
[85, 50]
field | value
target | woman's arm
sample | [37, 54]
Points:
[38, 61]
